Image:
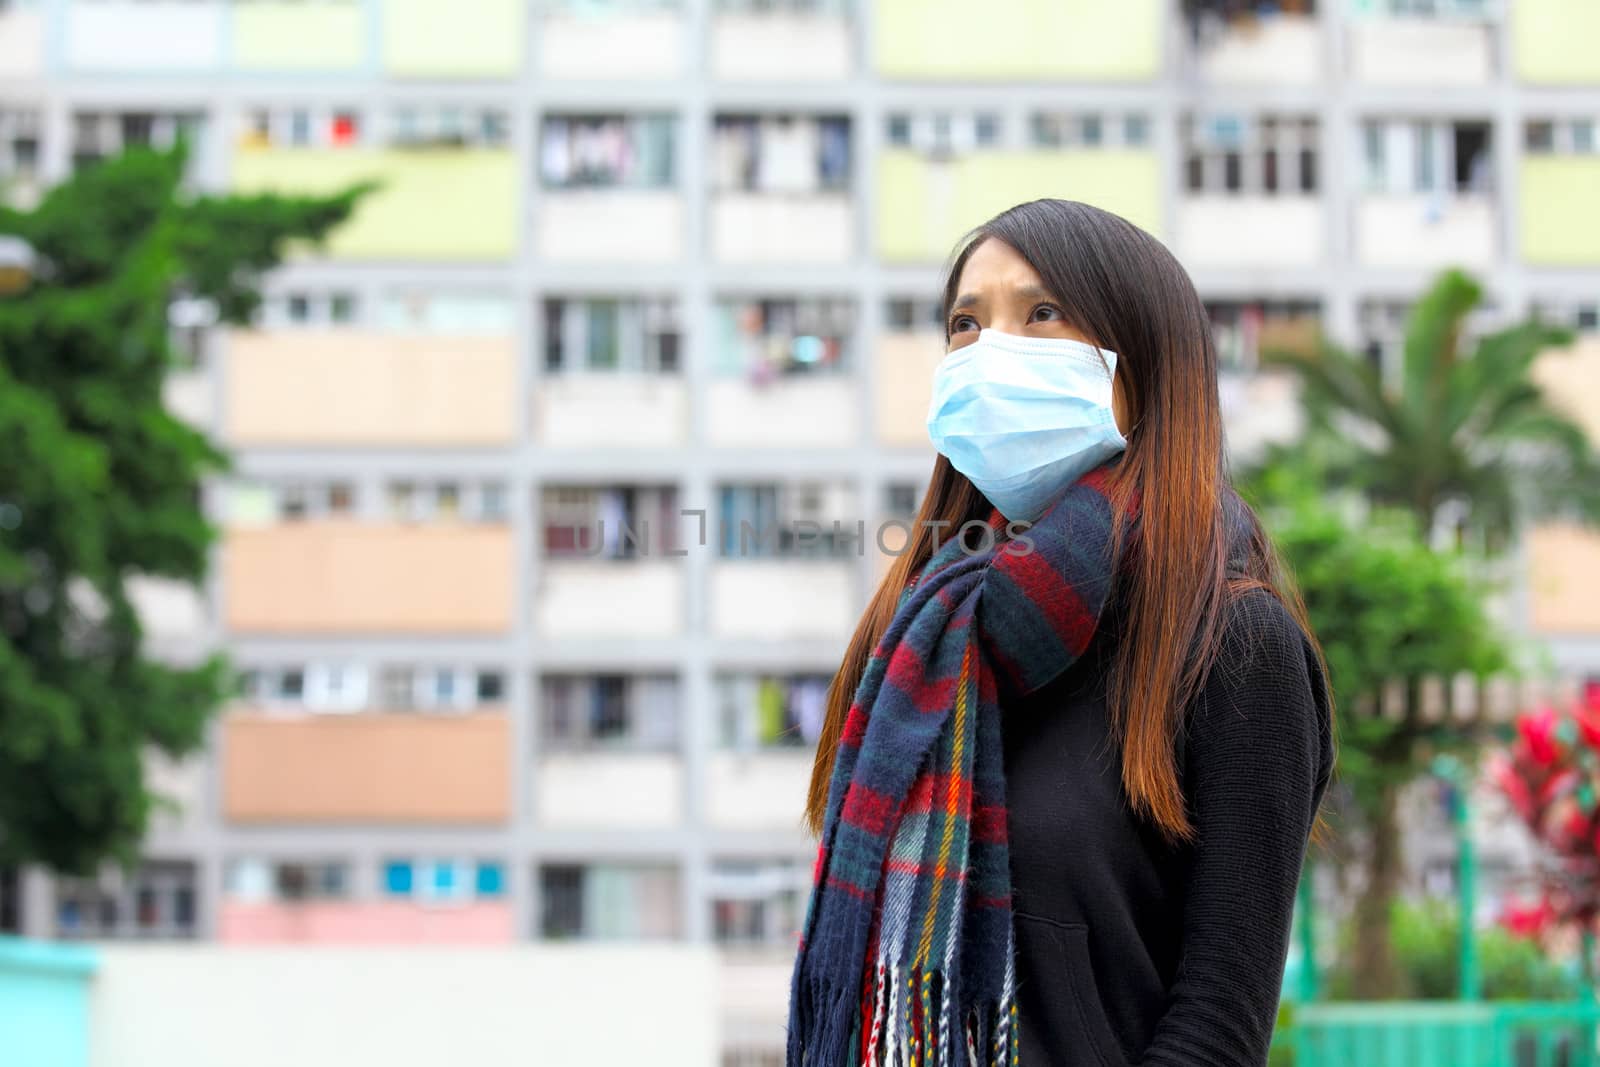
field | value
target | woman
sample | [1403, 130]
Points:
[1073, 757]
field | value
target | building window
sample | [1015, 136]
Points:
[757, 711]
[444, 880]
[300, 127]
[793, 154]
[19, 155]
[1580, 315]
[448, 126]
[1264, 155]
[343, 688]
[606, 901]
[608, 711]
[1412, 156]
[609, 522]
[612, 336]
[912, 315]
[254, 880]
[1078, 129]
[446, 501]
[1242, 330]
[157, 902]
[10, 900]
[758, 902]
[943, 134]
[607, 151]
[763, 340]
[97, 135]
[414, 311]
[901, 499]
[788, 521]
[1574, 136]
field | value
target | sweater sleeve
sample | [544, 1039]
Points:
[1258, 760]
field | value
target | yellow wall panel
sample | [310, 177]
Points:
[1553, 41]
[925, 206]
[1559, 226]
[436, 204]
[458, 39]
[294, 36]
[1016, 40]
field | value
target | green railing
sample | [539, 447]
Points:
[1421, 1033]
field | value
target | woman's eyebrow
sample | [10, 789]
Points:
[1034, 292]
[966, 300]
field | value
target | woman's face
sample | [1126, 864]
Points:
[999, 290]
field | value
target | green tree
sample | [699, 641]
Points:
[1460, 425]
[99, 484]
[1388, 611]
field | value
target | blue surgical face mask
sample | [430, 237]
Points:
[1024, 417]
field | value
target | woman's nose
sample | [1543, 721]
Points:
[1005, 324]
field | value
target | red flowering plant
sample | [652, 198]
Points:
[1550, 775]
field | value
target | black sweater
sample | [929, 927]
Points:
[1134, 951]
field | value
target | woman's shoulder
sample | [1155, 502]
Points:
[1259, 631]
[1265, 667]
[1265, 703]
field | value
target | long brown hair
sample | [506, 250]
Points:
[1121, 287]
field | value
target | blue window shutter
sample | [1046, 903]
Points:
[397, 878]
[491, 879]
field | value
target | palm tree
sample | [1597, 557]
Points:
[1470, 429]
[1462, 429]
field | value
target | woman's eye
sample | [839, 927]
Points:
[1049, 311]
[961, 323]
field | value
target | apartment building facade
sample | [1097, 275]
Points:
[664, 271]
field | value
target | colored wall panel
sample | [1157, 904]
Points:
[155, 36]
[367, 768]
[435, 204]
[1559, 226]
[345, 576]
[1553, 41]
[351, 387]
[1016, 40]
[291, 36]
[924, 206]
[365, 923]
[460, 39]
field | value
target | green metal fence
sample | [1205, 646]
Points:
[1422, 1033]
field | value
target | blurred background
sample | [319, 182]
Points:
[672, 266]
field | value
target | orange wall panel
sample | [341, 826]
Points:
[367, 768]
[350, 387]
[343, 576]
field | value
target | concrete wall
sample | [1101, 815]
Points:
[790, 46]
[584, 410]
[1425, 52]
[611, 225]
[157, 1006]
[591, 44]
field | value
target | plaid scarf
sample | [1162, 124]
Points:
[905, 955]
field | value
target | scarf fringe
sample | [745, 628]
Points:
[907, 1022]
